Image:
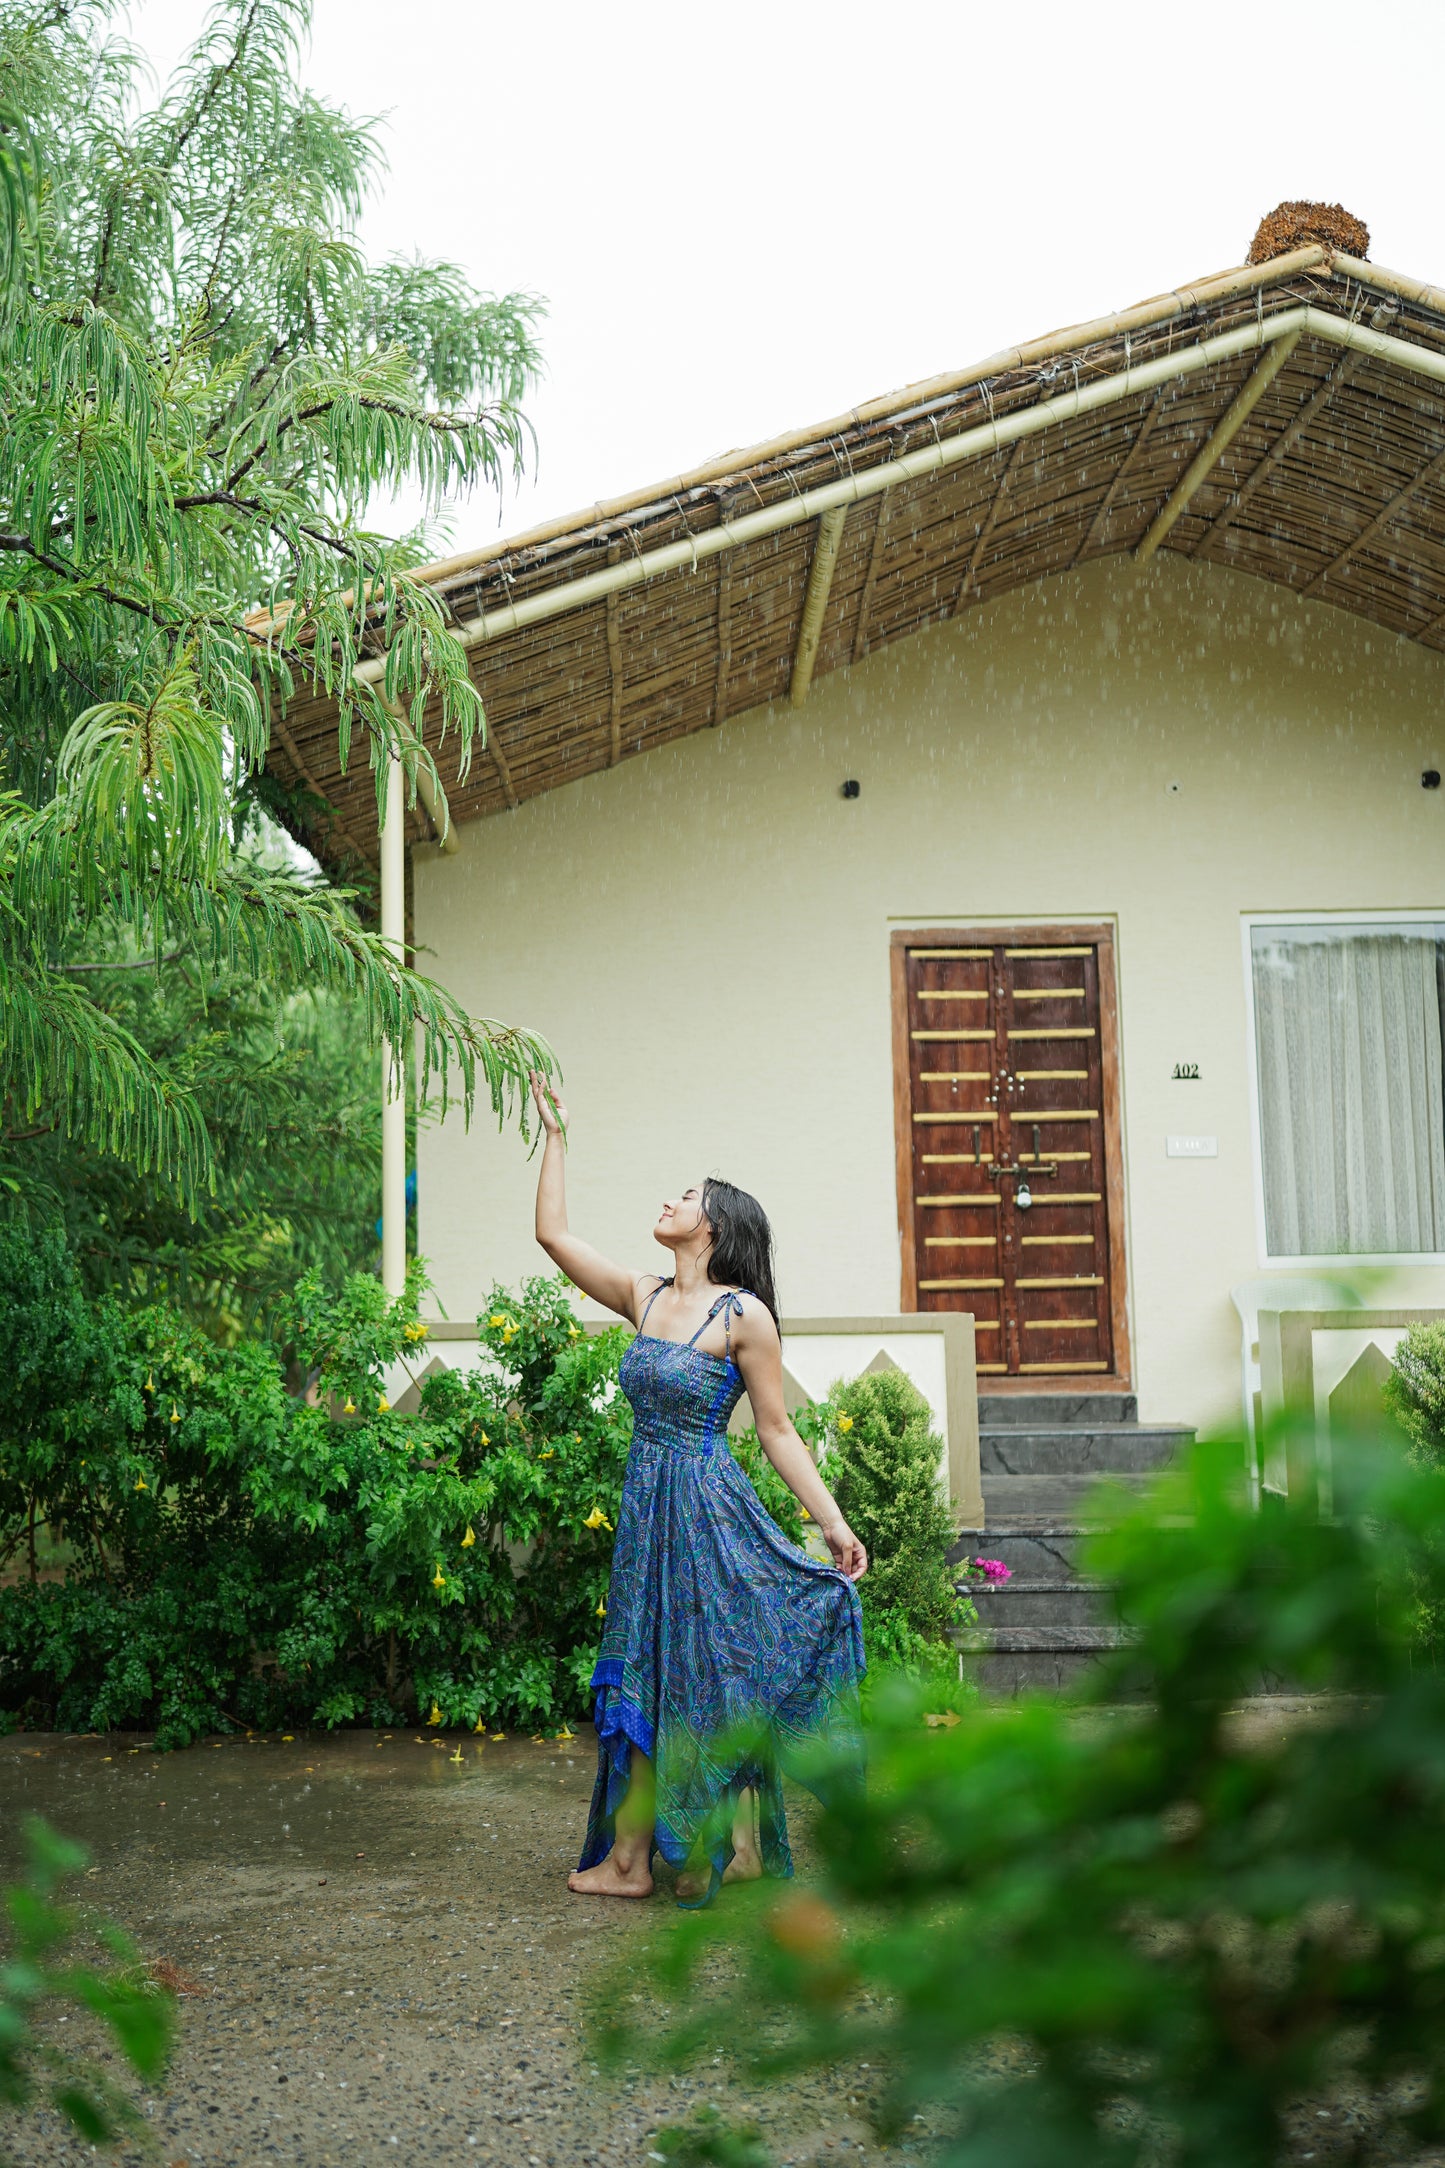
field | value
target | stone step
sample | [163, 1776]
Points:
[1048, 1411]
[1010, 1660]
[1059, 1605]
[1117, 1449]
[1035, 1552]
[1019, 1499]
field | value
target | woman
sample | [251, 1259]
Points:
[728, 1654]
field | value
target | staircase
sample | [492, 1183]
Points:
[1040, 1456]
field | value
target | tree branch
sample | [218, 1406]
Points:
[140, 963]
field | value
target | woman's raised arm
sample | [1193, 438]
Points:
[610, 1284]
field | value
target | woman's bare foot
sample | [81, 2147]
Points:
[693, 1882]
[745, 1866]
[610, 1880]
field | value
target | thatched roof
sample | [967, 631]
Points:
[589, 651]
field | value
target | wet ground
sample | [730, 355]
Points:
[383, 1960]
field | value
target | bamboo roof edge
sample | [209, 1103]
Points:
[1139, 316]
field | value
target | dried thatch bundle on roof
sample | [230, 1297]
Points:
[1294, 225]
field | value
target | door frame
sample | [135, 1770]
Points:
[1046, 934]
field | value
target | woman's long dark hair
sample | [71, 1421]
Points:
[742, 1242]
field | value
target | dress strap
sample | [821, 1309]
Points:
[651, 1300]
[730, 1305]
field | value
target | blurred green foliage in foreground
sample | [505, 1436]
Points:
[1078, 1934]
[38, 1969]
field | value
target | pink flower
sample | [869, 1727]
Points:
[993, 1569]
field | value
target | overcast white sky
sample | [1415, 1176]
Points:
[752, 216]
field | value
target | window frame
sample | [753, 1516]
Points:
[1332, 1260]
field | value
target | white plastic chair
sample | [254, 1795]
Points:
[1275, 1291]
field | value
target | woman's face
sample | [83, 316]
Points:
[680, 1219]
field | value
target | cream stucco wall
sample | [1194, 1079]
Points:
[703, 933]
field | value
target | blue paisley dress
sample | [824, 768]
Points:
[729, 1657]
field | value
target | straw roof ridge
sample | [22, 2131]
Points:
[1321, 276]
[636, 622]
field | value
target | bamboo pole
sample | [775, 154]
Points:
[614, 666]
[724, 640]
[985, 532]
[870, 581]
[1121, 474]
[815, 601]
[503, 767]
[393, 1062]
[1382, 519]
[1281, 448]
[1260, 377]
[928, 459]
[1161, 309]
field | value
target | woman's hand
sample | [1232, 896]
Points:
[849, 1555]
[550, 1110]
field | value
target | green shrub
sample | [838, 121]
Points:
[235, 1556]
[191, 1547]
[38, 1970]
[881, 1459]
[1415, 1391]
[1073, 1934]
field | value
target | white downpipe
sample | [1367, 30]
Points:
[393, 1063]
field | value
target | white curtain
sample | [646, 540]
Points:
[1352, 1110]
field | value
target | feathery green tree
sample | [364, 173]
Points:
[204, 387]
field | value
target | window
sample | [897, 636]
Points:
[1348, 1048]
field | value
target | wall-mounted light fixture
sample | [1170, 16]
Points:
[854, 789]
[1430, 780]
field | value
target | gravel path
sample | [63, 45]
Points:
[384, 1960]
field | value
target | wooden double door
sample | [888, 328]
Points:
[1009, 1179]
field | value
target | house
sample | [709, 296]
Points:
[999, 826]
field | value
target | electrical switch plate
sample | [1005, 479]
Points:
[1191, 1147]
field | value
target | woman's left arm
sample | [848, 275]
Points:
[759, 1355]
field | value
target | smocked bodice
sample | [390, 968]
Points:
[681, 1398]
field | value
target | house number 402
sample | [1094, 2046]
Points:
[1185, 1072]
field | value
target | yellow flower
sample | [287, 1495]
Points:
[598, 1519]
[499, 1317]
[572, 1333]
[499, 1735]
[485, 1439]
[509, 1333]
[175, 1413]
[350, 1408]
[415, 1332]
[455, 1757]
[436, 1714]
[804, 1514]
[150, 1384]
[469, 1538]
[481, 1726]
[578, 1436]
[601, 1611]
[845, 1422]
[564, 1733]
[550, 1454]
[141, 1483]
[439, 1579]
[288, 1738]
[383, 1407]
